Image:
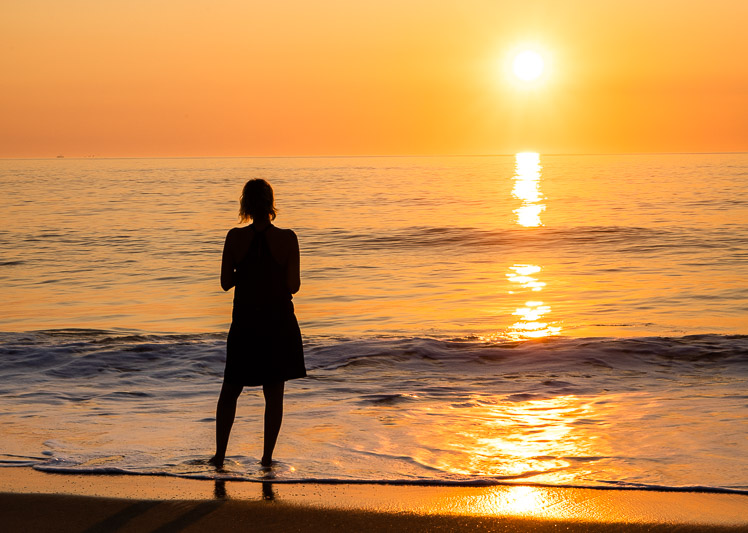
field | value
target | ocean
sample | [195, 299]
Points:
[534, 319]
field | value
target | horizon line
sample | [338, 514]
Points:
[58, 157]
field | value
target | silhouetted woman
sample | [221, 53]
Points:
[264, 344]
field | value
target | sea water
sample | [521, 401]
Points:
[566, 320]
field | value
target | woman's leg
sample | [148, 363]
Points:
[225, 412]
[273, 417]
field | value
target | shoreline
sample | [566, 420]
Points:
[398, 482]
[40, 501]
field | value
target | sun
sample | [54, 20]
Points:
[528, 65]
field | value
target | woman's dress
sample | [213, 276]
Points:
[264, 343]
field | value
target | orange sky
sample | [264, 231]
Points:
[348, 77]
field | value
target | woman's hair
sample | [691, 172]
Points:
[257, 201]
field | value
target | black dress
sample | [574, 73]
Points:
[264, 343]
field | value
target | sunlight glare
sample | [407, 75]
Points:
[528, 65]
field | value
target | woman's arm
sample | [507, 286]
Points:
[294, 264]
[227, 262]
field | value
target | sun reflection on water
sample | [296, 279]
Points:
[535, 439]
[527, 189]
[545, 437]
[521, 275]
[530, 325]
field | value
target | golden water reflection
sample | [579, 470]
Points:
[530, 325]
[537, 439]
[523, 277]
[521, 274]
[543, 437]
[527, 189]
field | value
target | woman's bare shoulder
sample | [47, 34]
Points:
[231, 236]
[239, 231]
[238, 235]
[288, 234]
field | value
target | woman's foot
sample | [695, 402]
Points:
[266, 462]
[216, 461]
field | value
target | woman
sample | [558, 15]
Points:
[264, 344]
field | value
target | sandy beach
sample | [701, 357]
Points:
[36, 501]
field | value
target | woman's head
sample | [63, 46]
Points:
[257, 202]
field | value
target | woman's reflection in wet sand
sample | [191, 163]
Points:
[220, 493]
[268, 493]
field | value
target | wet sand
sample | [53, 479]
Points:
[36, 501]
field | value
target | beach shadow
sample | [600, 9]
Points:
[119, 519]
[189, 518]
